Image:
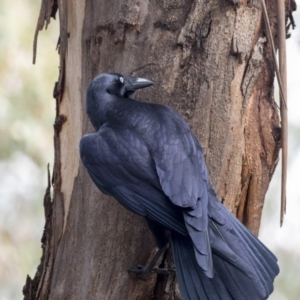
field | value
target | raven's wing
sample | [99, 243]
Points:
[184, 179]
[180, 166]
[120, 165]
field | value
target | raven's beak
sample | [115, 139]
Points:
[133, 83]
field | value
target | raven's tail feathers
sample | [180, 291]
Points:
[247, 272]
[193, 283]
[259, 261]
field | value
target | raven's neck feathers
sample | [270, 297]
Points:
[103, 107]
[99, 104]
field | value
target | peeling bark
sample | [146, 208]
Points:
[210, 60]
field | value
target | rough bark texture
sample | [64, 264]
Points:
[209, 60]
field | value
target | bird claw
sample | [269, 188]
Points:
[142, 271]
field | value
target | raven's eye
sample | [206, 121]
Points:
[121, 79]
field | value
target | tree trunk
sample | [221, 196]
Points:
[210, 61]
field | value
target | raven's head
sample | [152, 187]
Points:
[119, 85]
[103, 87]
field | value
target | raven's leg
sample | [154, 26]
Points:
[162, 240]
[159, 232]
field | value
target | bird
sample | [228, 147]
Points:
[146, 156]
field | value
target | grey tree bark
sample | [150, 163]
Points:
[211, 61]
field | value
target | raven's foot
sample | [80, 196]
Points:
[142, 271]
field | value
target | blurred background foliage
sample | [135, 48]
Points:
[27, 111]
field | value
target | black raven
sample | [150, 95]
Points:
[146, 156]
